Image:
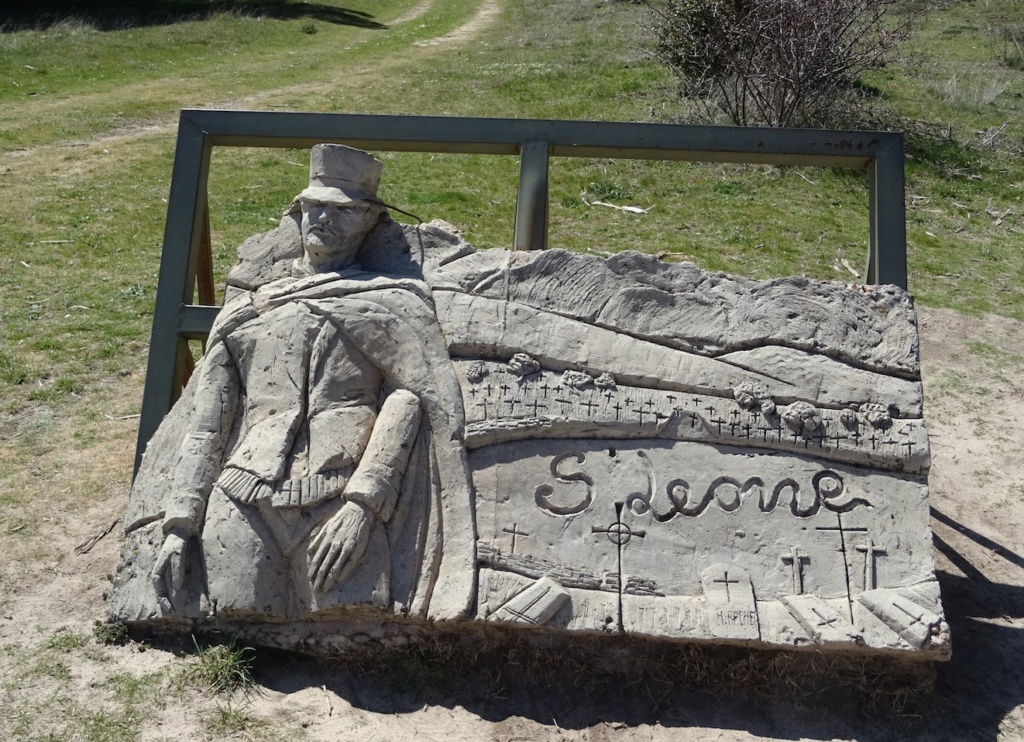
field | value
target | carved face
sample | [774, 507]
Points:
[333, 233]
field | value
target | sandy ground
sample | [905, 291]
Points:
[55, 679]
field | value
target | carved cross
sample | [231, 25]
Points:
[842, 531]
[515, 532]
[870, 552]
[824, 621]
[726, 581]
[619, 534]
[796, 559]
[919, 618]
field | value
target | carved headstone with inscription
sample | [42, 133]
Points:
[391, 426]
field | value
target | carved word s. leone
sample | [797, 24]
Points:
[727, 493]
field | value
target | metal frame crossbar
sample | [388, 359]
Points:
[186, 264]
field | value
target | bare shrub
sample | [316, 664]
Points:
[778, 62]
[1008, 37]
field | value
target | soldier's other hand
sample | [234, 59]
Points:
[338, 545]
[168, 575]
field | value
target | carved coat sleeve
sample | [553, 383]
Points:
[200, 460]
[378, 476]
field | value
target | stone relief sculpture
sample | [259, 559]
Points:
[321, 435]
[389, 423]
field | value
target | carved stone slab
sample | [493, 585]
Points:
[551, 441]
[730, 604]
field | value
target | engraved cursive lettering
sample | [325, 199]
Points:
[543, 493]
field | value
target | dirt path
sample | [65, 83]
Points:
[484, 17]
[31, 159]
[413, 13]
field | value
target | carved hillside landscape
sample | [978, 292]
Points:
[570, 443]
[667, 452]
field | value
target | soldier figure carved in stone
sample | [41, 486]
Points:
[323, 451]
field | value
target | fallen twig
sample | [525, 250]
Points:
[988, 136]
[630, 209]
[86, 547]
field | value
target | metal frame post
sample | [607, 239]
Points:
[887, 247]
[176, 320]
[532, 201]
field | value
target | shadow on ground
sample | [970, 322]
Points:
[627, 682]
[113, 15]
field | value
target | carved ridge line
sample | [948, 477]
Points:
[503, 430]
[535, 568]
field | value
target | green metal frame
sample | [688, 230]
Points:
[186, 250]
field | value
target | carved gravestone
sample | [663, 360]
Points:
[390, 427]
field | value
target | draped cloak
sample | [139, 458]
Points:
[424, 553]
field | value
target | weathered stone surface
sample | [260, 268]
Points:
[389, 423]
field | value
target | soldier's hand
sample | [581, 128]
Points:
[338, 545]
[168, 575]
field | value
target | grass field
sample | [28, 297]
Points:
[86, 216]
[88, 107]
